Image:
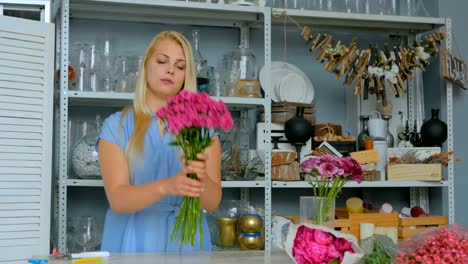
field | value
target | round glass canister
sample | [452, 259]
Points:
[85, 156]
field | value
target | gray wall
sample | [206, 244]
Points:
[456, 10]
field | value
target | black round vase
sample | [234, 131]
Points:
[433, 131]
[298, 129]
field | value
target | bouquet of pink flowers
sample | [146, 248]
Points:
[190, 116]
[311, 244]
[327, 175]
[443, 245]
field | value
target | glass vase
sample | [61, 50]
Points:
[317, 210]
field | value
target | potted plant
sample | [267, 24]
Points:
[368, 142]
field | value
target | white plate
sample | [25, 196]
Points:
[279, 70]
[276, 75]
[291, 68]
[292, 88]
[242, 2]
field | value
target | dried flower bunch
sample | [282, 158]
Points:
[411, 157]
[373, 68]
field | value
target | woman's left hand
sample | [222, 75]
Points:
[198, 166]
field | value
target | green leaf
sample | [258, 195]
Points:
[335, 261]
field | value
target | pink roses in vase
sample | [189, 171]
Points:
[327, 175]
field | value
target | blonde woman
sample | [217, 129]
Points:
[143, 175]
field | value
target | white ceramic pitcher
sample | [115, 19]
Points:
[377, 127]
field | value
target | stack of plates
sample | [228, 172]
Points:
[288, 83]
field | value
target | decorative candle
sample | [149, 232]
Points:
[366, 230]
[354, 205]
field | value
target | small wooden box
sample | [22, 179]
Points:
[282, 157]
[288, 172]
[281, 112]
[283, 117]
[372, 175]
[414, 172]
[414, 225]
[366, 156]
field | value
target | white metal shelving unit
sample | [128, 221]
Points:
[155, 11]
[243, 17]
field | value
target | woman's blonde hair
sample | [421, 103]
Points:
[141, 112]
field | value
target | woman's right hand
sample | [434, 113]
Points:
[181, 185]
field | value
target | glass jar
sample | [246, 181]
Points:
[85, 156]
[238, 67]
[364, 132]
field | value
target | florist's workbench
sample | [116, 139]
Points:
[224, 257]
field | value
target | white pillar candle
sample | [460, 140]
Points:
[367, 230]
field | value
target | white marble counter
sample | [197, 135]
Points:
[224, 257]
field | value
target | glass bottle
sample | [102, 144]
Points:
[108, 69]
[364, 132]
[203, 83]
[389, 137]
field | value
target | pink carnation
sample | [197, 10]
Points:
[189, 110]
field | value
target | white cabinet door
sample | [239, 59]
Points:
[26, 102]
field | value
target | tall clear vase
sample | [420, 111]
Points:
[317, 210]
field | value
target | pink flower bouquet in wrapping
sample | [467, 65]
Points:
[327, 175]
[313, 244]
[190, 117]
[444, 245]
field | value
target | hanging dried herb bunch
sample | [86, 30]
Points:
[372, 69]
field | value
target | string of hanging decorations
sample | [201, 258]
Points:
[372, 69]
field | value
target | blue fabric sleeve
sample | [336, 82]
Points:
[110, 128]
[213, 132]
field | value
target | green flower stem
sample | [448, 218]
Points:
[190, 218]
[321, 188]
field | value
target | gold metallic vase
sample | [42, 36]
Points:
[227, 231]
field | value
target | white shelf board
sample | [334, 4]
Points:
[85, 183]
[162, 11]
[364, 184]
[225, 184]
[122, 99]
[99, 98]
[346, 21]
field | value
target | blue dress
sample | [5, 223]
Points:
[147, 230]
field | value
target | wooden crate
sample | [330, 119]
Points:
[341, 225]
[414, 172]
[414, 225]
[355, 220]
